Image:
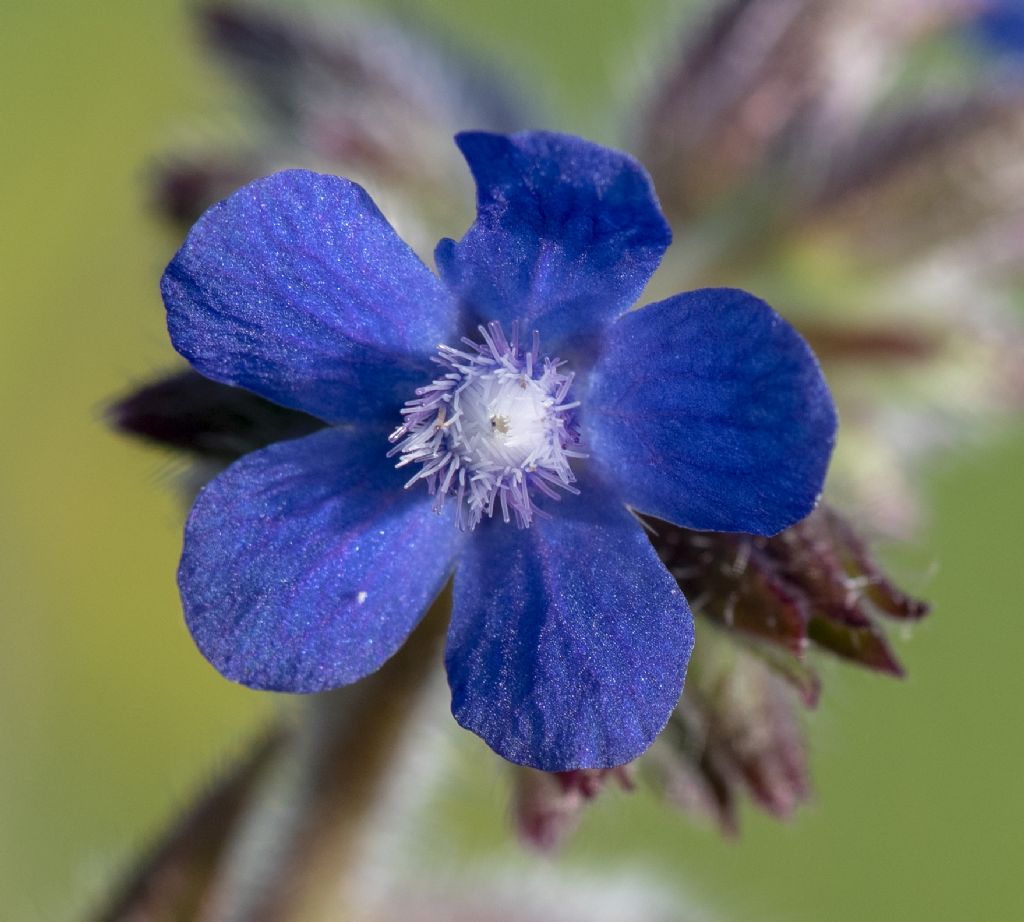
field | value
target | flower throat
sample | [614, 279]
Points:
[497, 425]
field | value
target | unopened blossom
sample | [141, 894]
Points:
[509, 416]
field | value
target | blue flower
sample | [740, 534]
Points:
[510, 416]
[1000, 25]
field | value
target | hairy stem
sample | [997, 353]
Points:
[277, 839]
[170, 883]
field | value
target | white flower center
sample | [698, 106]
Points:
[495, 426]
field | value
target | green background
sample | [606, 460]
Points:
[110, 718]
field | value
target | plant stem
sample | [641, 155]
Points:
[277, 840]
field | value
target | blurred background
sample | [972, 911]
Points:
[110, 718]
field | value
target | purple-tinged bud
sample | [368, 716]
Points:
[735, 730]
[295, 64]
[932, 174]
[363, 94]
[815, 582]
[545, 812]
[547, 806]
[686, 775]
[793, 669]
[770, 90]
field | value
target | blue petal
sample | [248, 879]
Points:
[566, 236]
[306, 564]
[569, 640]
[709, 410]
[297, 288]
[1001, 26]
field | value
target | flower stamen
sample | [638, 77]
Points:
[494, 426]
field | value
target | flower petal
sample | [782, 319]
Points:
[306, 564]
[710, 411]
[1000, 25]
[297, 288]
[569, 639]
[566, 236]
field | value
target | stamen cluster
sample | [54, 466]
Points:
[496, 425]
